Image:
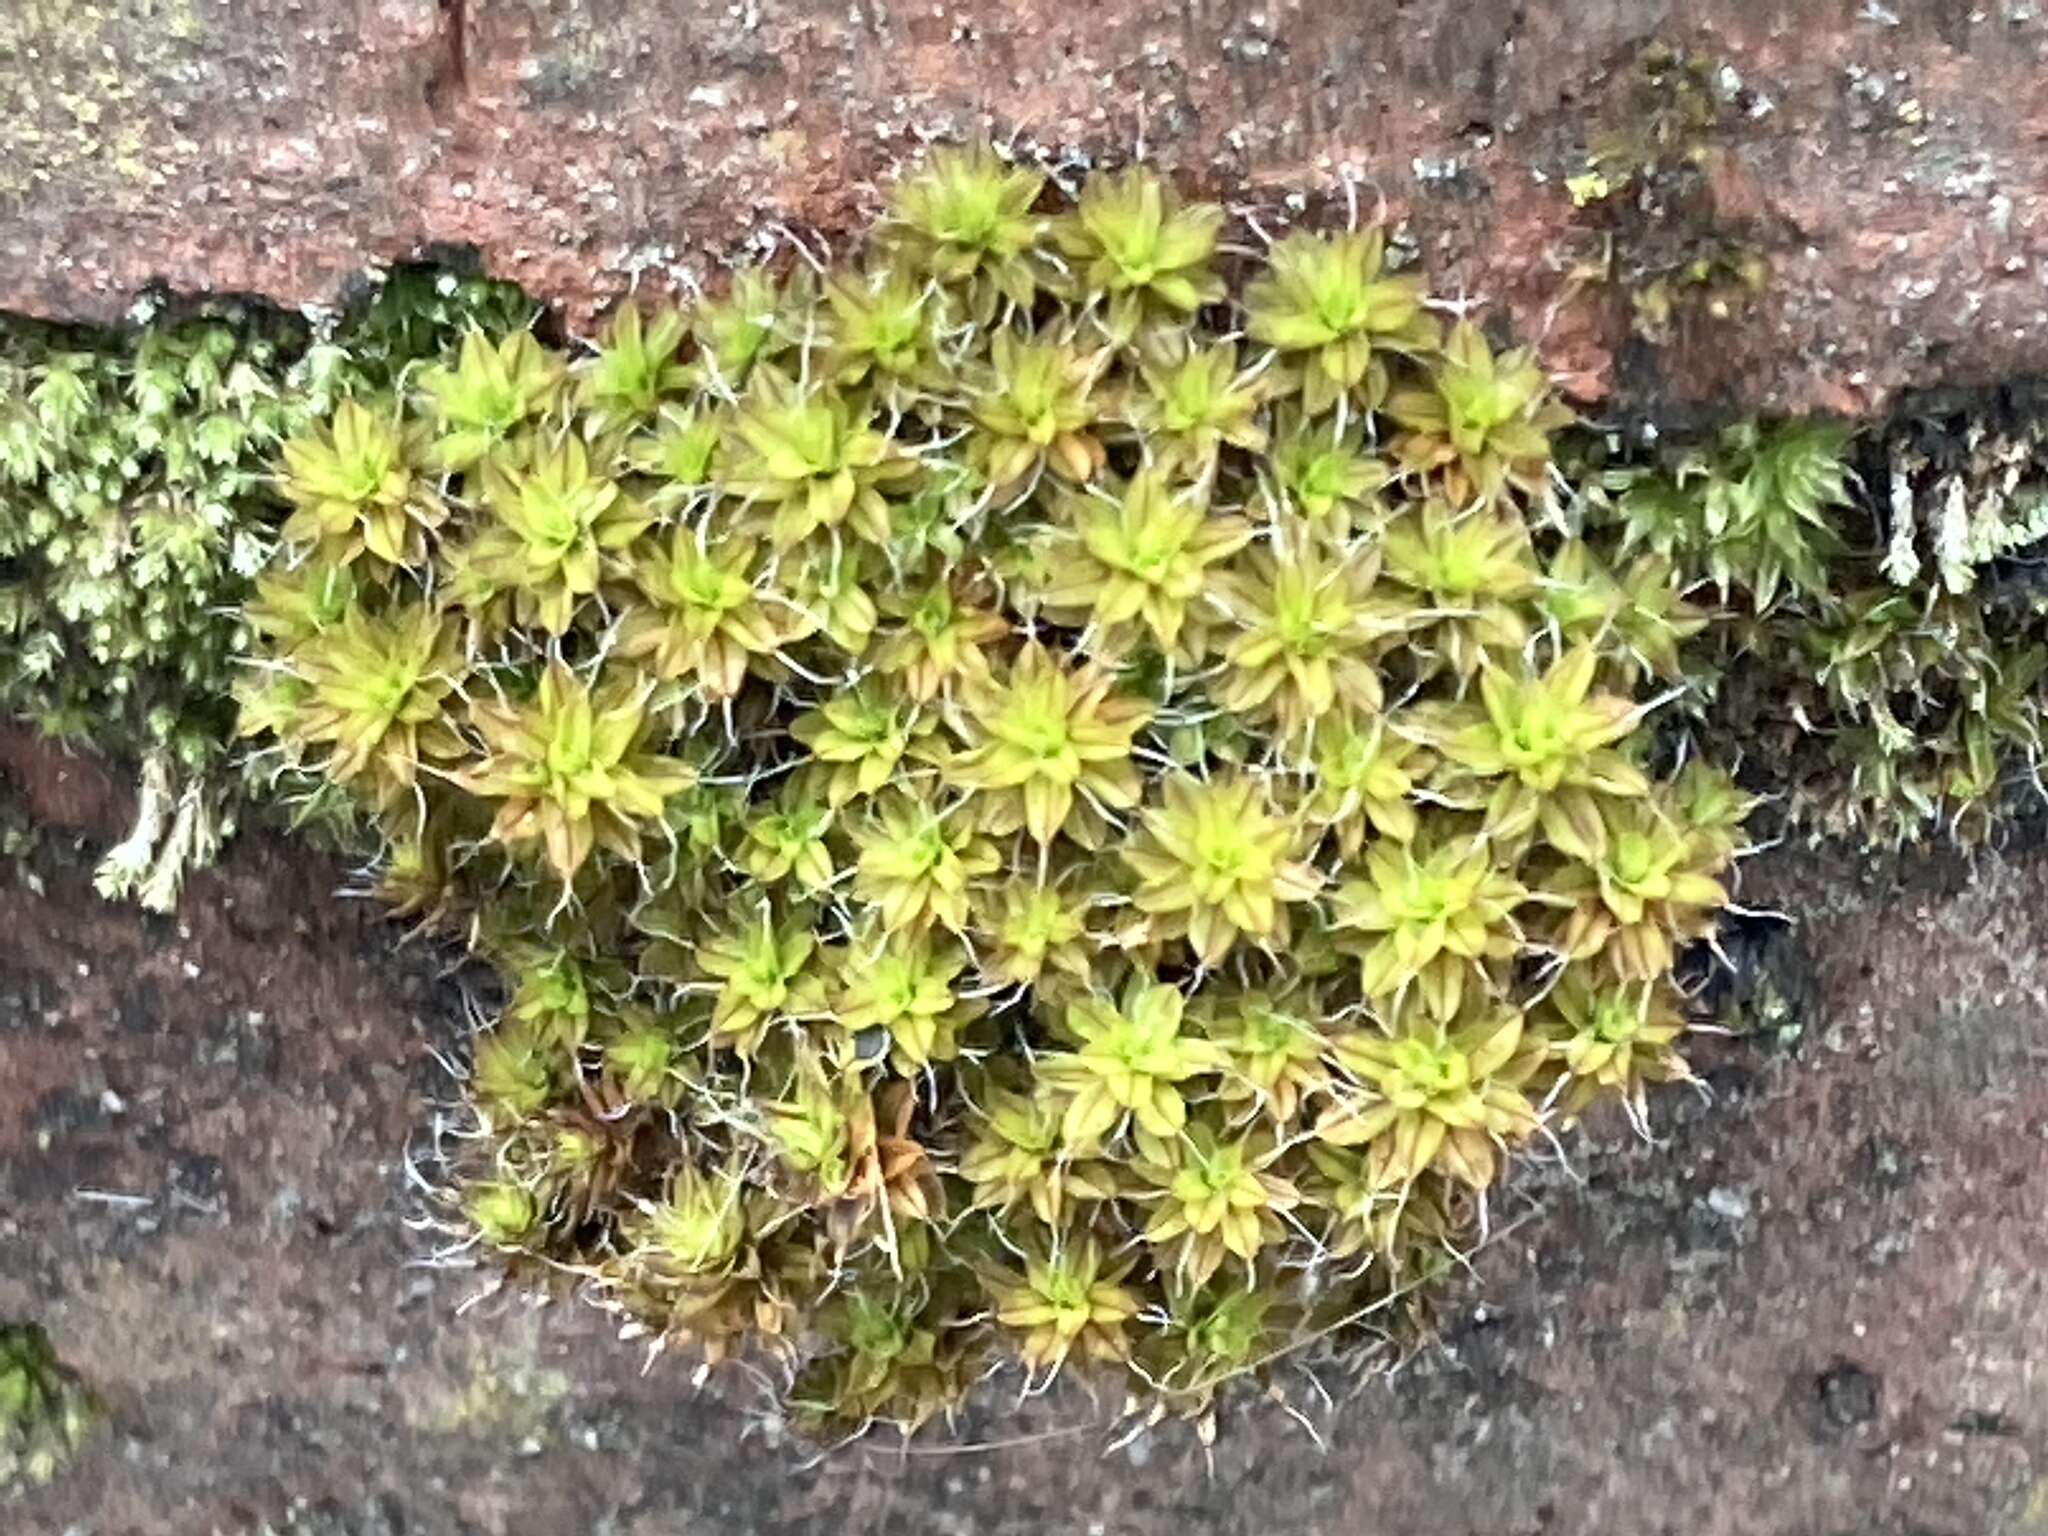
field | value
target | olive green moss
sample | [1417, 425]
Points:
[1047, 797]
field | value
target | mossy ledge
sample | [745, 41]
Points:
[1059, 793]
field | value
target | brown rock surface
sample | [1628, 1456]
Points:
[1885, 155]
[1818, 1308]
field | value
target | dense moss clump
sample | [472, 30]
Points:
[45, 1412]
[136, 505]
[1053, 794]
[1027, 808]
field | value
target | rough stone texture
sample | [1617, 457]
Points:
[1887, 159]
[1819, 1308]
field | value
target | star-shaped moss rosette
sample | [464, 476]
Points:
[1027, 809]
[568, 771]
[1336, 318]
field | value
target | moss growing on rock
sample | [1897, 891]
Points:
[1881, 637]
[45, 1411]
[137, 503]
[1028, 810]
[1648, 188]
[1040, 796]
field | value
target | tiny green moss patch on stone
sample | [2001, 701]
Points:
[46, 1413]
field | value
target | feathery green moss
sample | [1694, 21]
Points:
[137, 504]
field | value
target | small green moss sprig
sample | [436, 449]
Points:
[127, 482]
[1016, 826]
[137, 505]
[46, 1413]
